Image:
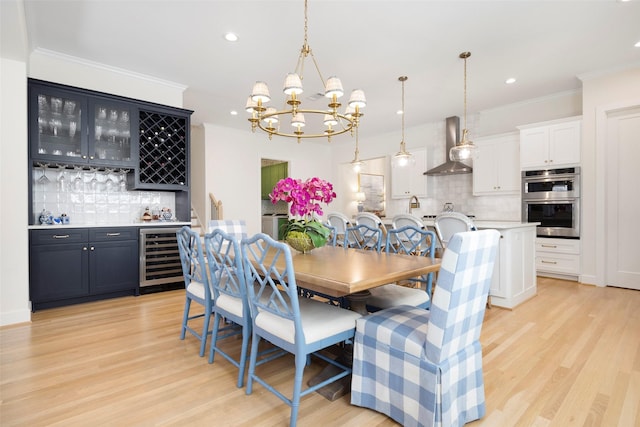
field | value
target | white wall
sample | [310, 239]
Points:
[233, 167]
[614, 90]
[14, 251]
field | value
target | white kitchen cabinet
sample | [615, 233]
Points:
[550, 144]
[514, 275]
[408, 180]
[496, 166]
[558, 257]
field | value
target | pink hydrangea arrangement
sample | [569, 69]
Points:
[305, 198]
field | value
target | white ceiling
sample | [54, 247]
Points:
[546, 45]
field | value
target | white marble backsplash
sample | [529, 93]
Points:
[97, 202]
[458, 189]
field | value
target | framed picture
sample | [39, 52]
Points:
[373, 188]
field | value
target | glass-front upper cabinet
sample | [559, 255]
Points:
[58, 123]
[110, 133]
[79, 127]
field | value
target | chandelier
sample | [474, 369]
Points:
[328, 122]
[402, 157]
[463, 149]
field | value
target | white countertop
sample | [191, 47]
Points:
[494, 224]
[131, 224]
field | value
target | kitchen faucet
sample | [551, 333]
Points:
[412, 204]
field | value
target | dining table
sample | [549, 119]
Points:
[337, 272]
[341, 272]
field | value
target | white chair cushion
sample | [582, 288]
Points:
[319, 320]
[196, 289]
[392, 295]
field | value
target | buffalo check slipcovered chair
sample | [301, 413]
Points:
[424, 368]
[300, 326]
[196, 283]
[234, 227]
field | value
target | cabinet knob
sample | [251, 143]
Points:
[84, 157]
[93, 248]
[91, 157]
[84, 248]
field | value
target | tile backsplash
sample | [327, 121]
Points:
[92, 198]
[458, 189]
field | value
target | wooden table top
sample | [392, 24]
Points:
[337, 272]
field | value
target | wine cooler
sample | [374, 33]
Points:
[159, 257]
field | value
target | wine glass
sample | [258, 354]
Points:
[77, 182]
[62, 180]
[109, 182]
[123, 181]
[43, 179]
[93, 184]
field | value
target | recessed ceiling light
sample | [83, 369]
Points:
[233, 112]
[231, 37]
[510, 80]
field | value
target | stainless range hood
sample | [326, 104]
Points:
[452, 132]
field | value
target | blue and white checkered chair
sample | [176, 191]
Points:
[234, 227]
[424, 368]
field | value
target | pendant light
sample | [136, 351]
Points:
[463, 149]
[356, 163]
[402, 157]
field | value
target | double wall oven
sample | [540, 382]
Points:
[552, 198]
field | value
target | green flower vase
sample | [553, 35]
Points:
[300, 242]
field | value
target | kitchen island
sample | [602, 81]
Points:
[514, 276]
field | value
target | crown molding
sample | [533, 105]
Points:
[104, 67]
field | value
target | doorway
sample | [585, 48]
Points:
[622, 204]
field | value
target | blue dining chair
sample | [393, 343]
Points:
[434, 357]
[196, 282]
[363, 236]
[230, 304]
[408, 240]
[300, 326]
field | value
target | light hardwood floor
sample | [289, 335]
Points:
[568, 357]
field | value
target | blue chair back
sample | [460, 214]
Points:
[225, 265]
[363, 236]
[459, 301]
[274, 289]
[192, 259]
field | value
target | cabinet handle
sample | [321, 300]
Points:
[548, 262]
[113, 234]
[60, 236]
[548, 246]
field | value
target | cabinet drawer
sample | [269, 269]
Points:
[58, 236]
[558, 263]
[115, 233]
[565, 246]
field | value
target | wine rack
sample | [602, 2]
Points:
[163, 149]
